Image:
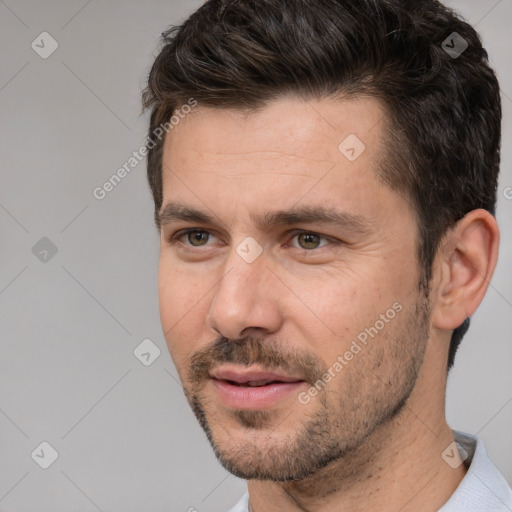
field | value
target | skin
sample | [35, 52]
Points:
[382, 416]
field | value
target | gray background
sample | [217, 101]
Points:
[124, 433]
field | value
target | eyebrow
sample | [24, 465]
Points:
[176, 211]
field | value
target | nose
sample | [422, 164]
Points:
[245, 301]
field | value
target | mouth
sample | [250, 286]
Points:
[251, 389]
[254, 383]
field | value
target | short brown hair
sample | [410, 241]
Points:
[444, 109]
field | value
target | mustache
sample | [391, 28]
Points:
[271, 355]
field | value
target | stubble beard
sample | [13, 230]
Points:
[337, 421]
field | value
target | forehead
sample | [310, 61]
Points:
[309, 130]
[314, 152]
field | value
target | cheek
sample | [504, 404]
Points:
[336, 303]
[182, 304]
[178, 291]
[336, 314]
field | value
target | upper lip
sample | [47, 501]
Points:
[241, 377]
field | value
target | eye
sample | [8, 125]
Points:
[195, 237]
[308, 240]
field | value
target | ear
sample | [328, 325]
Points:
[465, 264]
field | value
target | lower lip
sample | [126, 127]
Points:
[254, 398]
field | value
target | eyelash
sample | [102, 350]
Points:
[173, 239]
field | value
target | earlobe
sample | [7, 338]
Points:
[466, 262]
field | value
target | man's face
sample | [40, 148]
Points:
[328, 311]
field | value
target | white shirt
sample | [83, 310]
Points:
[483, 488]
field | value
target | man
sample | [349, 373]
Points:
[325, 195]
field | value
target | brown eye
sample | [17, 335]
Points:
[309, 240]
[197, 238]
[192, 238]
